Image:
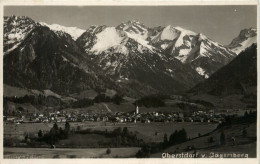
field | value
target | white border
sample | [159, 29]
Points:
[122, 3]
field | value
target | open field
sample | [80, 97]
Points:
[143, 131]
[147, 131]
[68, 153]
[242, 144]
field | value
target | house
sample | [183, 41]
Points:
[105, 118]
[181, 115]
[20, 120]
[45, 120]
[36, 119]
[10, 119]
[61, 119]
[97, 119]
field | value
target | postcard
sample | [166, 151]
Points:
[115, 81]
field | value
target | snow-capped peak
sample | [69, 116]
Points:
[172, 33]
[245, 39]
[74, 32]
[106, 39]
[169, 33]
[131, 23]
[185, 31]
[16, 28]
[134, 27]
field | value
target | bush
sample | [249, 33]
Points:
[56, 156]
[222, 138]
[108, 151]
[72, 156]
[210, 140]
[150, 101]
[244, 133]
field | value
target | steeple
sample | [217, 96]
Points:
[136, 109]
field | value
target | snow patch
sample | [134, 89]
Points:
[74, 32]
[169, 70]
[169, 33]
[201, 71]
[183, 55]
[245, 44]
[107, 39]
[184, 32]
[140, 40]
[164, 46]
[64, 59]
[11, 49]
[121, 49]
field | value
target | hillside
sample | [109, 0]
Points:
[239, 137]
[238, 77]
[233, 86]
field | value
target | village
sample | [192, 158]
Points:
[120, 117]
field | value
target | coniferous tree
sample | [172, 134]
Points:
[222, 138]
[40, 134]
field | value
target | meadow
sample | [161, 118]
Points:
[149, 132]
[69, 153]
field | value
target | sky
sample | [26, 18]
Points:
[220, 23]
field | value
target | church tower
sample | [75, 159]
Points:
[136, 109]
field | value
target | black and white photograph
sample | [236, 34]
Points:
[140, 81]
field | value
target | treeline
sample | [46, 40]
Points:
[56, 102]
[152, 101]
[117, 138]
[41, 139]
[177, 137]
[249, 117]
[55, 134]
[35, 100]
[187, 107]
[116, 99]
[204, 103]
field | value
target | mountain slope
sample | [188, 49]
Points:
[245, 39]
[201, 53]
[45, 60]
[15, 30]
[74, 32]
[238, 77]
[125, 55]
[204, 55]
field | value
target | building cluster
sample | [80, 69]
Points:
[122, 117]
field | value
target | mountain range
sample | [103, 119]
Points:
[130, 58]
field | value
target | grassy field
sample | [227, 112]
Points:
[147, 131]
[225, 102]
[69, 153]
[143, 131]
[203, 146]
[86, 140]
